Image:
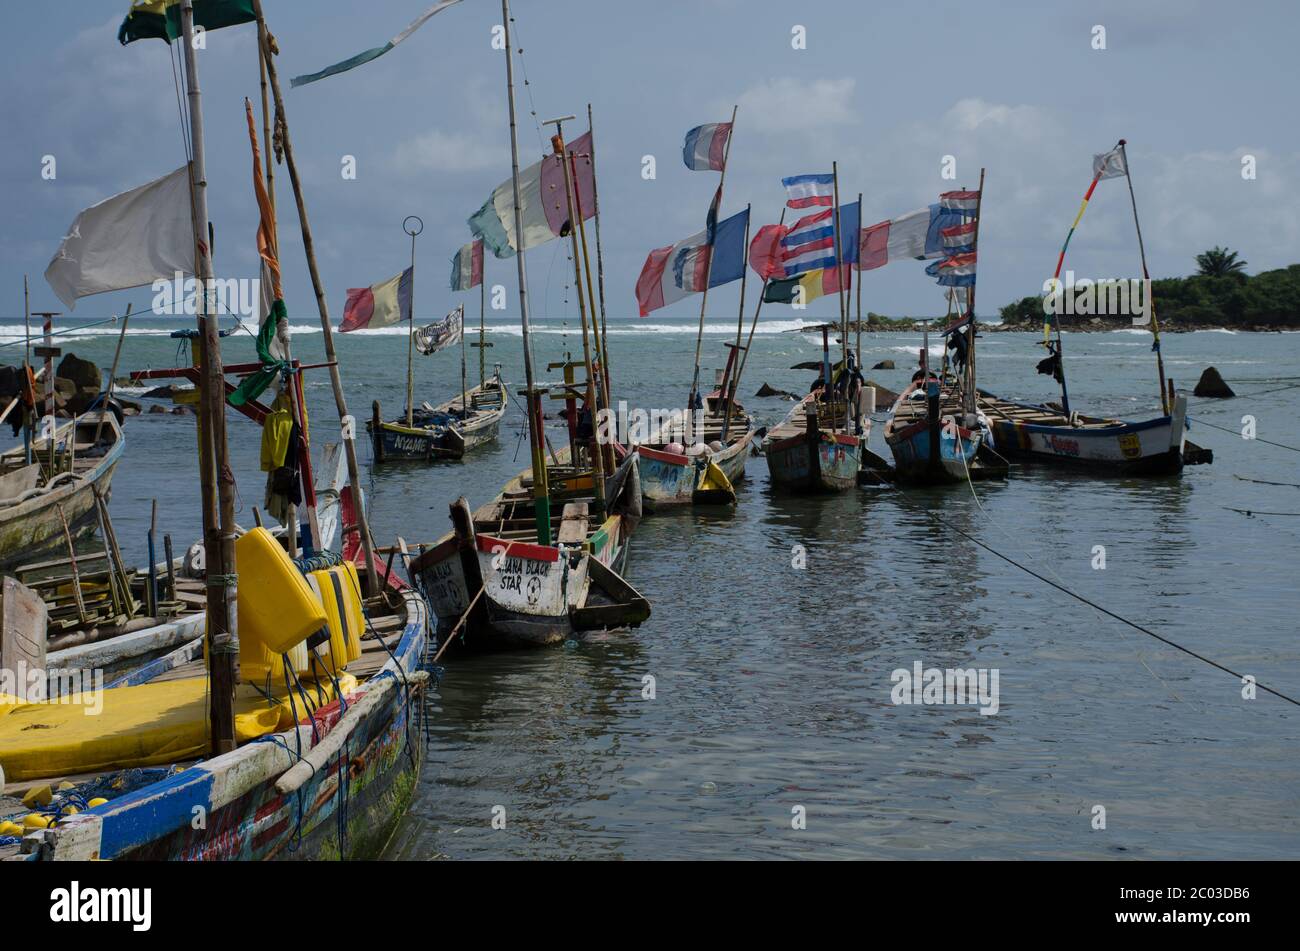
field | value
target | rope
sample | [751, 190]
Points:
[1236, 432]
[1092, 604]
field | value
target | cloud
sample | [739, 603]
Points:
[797, 105]
[441, 151]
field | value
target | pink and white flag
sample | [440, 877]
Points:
[807, 191]
[901, 238]
[963, 202]
[959, 238]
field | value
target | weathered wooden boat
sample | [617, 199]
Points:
[446, 431]
[1054, 432]
[329, 781]
[42, 513]
[490, 577]
[934, 441]
[808, 454]
[1045, 433]
[702, 466]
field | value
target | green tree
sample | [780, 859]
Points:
[1219, 262]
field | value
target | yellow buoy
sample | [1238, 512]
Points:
[37, 821]
[10, 828]
[97, 801]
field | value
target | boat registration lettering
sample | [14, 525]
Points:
[1063, 447]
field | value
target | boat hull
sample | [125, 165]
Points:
[1151, 447]
[394, 441]
[672, 479]
[913, 462]
[819, 463]
[348, 810]
[34, 529]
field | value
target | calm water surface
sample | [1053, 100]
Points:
[772, 684]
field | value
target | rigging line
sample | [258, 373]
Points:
[181, 106]
[528, 86]
[1141, 658]
[1253, 512]
[1118, 617]
[1237, 432]
[1294, 485]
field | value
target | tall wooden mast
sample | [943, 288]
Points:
[347, 422]
[217, 481]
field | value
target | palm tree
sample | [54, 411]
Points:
[1219, 262]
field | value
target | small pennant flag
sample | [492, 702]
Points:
[161, 19]
[1109, 164]
[467, 266]
[705, 149]
[807, 191]
[378, 51]
[442, 334]
[380, 305]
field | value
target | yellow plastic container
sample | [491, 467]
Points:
[340, 596]
[276, 605]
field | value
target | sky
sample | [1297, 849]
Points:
[886, 90]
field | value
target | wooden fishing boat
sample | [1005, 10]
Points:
[39, 514]
[446, 431]
[330, 781]
[808, 456]
[701, 467]
[491, 577]
[934, 441]
[1045, 433]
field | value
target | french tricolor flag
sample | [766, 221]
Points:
[807, 191]
[964, 203]
[705, 149]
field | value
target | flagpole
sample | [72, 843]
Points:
[482, 330]
[1146, 276]
[595, 450]
[729, 397]
[541, 492]
[216, 478]
[970, 303]
[27, 362]
[464, 395]
[839, 281]
[857, 238]
[749, 341]
[346, 421]
[708, 271]
[571, 169]
[410, 336]
[600, 260]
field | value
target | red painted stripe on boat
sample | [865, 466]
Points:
[489, 543]
[660, 456]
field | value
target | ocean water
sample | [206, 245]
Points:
[772, 684]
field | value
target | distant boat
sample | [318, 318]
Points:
[492, 578]
[706, 471]
[808, 455]
[1045, 433]
[40, 514]
[446, 431]
[934, 441]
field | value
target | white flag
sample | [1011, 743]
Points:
[133, 238]
[1109, 164]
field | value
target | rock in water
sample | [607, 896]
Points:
[79, 371]
[1211, 384]
[884, 365]
[766, 390]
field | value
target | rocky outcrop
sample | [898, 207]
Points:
[1211, 384]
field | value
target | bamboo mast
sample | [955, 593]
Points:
[346, 421]
[218, 483]
[839, 281]
[410, 336]
[708, 274]
[597, 451]
[28, 420]
[112, 376]
[1146, 276]
[729, 397]
[482, 331]
[749, 341]
[536, 433]
[857, 238]
[970, 306]
[600, 260]
[464, 388]
[598, 337]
